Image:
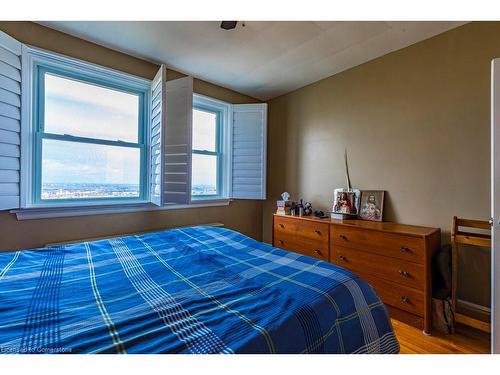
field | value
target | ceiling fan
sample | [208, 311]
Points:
[230, 25]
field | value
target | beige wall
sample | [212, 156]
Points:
[415, 123]
[244, 216]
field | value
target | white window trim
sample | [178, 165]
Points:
[33, 56]
[225, 109]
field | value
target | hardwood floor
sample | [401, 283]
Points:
[466, 340]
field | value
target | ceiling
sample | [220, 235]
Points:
[262, 59]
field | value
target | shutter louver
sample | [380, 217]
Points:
[10, 121]
[156, 132]
[249, 133]
[177, 141]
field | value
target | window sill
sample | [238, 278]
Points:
[68, 211]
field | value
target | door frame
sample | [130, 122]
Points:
[495, 206]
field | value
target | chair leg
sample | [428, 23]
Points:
[454, 268]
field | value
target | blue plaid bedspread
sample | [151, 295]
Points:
[189, 290]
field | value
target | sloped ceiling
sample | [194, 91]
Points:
[260, 59]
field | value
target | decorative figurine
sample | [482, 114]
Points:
[307, 209]
[285, 196]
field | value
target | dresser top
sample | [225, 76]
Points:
[412, 230]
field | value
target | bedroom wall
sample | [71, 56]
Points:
[244, 216]
[416, 124]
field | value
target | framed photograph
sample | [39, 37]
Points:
[346, 201]
[371, 205]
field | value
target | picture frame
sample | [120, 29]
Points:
[346, 201]
[371, 205]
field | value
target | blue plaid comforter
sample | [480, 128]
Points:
[189, 290]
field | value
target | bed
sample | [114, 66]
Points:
[190, 290]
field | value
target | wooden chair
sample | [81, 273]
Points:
[460, 235]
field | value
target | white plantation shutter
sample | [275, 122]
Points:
[249, 134]
[157, 108]
[177, 141]
[10, 121]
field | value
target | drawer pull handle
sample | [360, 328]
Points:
[281, 242]
[404, 298]
[343, 258]
[342, 237]
[318, 232]
[317, 251]
[282, 225]
[404, 249]
[404, 273]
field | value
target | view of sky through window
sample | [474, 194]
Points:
[76, 170]
[204, 167]
[204, 130]
[85, 110]
[204, 180]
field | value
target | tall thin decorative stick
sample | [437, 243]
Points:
[348, 180]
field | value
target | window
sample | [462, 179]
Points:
[88, 139]
[209, 166]
[85, 139]
[206, 171]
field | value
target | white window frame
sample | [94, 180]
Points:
[224, 110]
[32, 59]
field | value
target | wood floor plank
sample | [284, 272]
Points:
[466, 340]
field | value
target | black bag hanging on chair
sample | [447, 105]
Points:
[441, 273]
[442, 313]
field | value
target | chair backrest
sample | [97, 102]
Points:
[468, 232]
[460, 232]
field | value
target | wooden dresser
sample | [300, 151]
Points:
[394, 258]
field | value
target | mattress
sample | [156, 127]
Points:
[190, 290]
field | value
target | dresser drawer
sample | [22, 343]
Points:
[301, 228]
[399, 246]
[305, 246]
[398, 296]
[393, 270]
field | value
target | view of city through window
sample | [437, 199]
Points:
[88, 169]
[203, 189]
[88, 190]
[204, 161]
